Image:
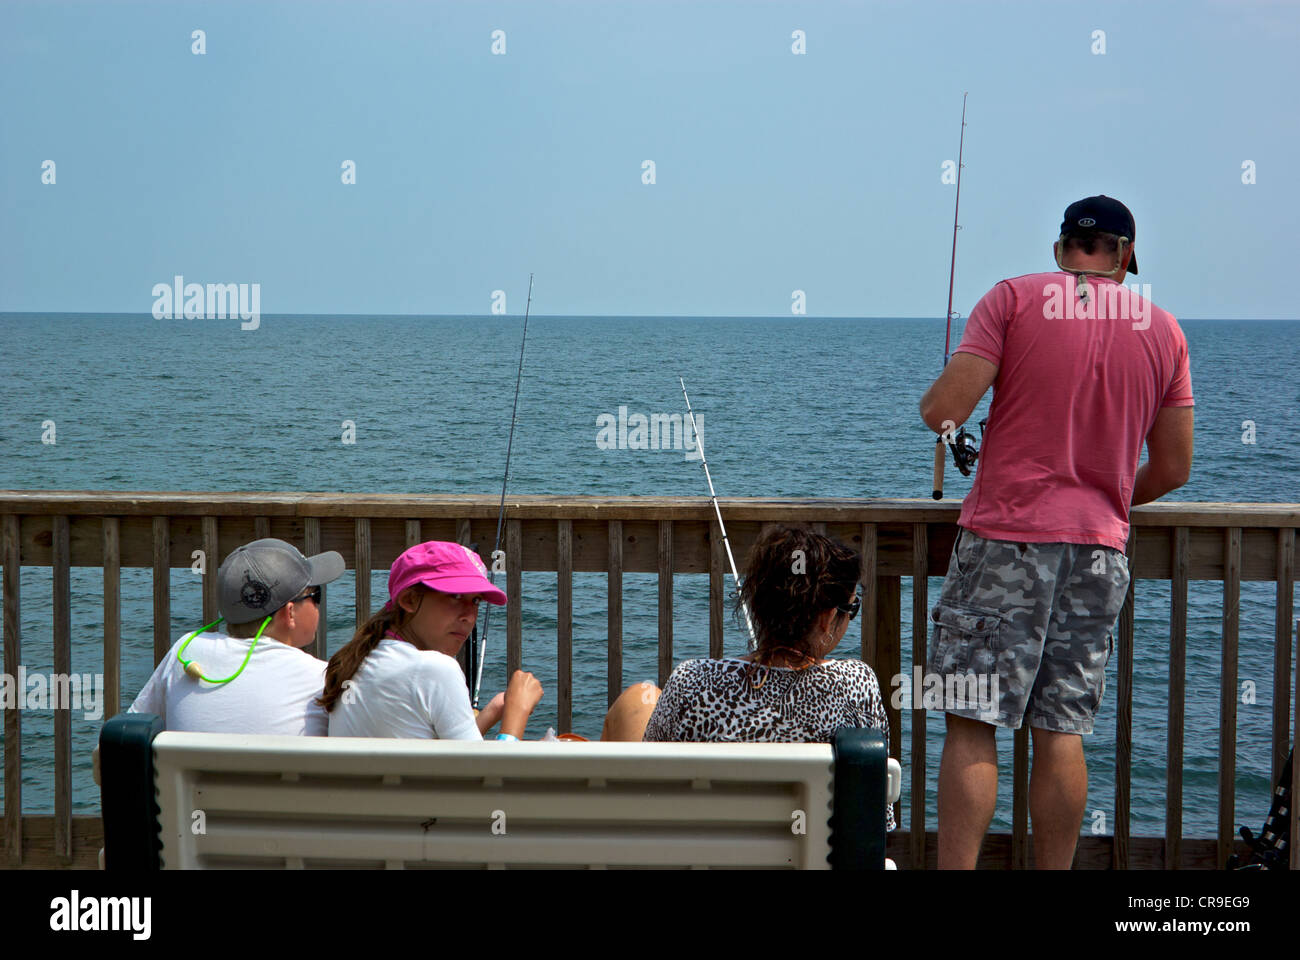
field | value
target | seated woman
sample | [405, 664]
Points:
[801, 592]
[398, 676]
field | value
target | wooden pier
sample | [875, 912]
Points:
[1176, 542]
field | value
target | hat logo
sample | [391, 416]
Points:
[254, 593]
[1087, 222]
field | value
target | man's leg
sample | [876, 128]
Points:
[968, 791]
[1058, 793]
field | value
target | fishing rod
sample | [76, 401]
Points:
[964, 450]
[478, 648]
[699, 445]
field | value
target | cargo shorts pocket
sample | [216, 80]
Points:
[965, 640]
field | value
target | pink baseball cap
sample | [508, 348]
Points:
[445, 567]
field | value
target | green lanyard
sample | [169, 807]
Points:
[192, 668]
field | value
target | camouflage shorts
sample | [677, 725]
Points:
[1028, 627]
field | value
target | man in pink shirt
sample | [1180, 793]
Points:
[1083, 370]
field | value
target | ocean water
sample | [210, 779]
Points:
[789, 407]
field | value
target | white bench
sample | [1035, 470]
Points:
[227, 800]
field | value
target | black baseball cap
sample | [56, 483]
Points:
[1105, 215]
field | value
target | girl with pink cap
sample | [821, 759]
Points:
[398, 676]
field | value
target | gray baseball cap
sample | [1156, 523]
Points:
[259, 578]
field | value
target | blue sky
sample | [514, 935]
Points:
[775, 172]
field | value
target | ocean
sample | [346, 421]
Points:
[788, 407]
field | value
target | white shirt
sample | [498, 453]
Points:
[402, 691]
[274, 694]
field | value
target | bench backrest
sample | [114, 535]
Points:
[228, 800]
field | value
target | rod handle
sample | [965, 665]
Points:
[938, 469]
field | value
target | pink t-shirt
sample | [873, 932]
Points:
[1078, 387]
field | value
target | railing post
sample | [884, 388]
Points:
[1177, 695]
[564, 622]
[211, 561]
[614, 570]
[717, 588]
[1124, 719]
[1228, 693]
[514, 599]
[665, 600]
[162, 589]
[319, 647]
[362, 541]
[920, 624]
[112, 562]
[13, 741]
[1282, 652]
[870, 605]
[62, 563]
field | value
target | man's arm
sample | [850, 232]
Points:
[1169, 455]
[958, 390]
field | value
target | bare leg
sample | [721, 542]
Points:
[968, 791]
[1058, 794]
[627, 718]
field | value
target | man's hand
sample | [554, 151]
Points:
[490, 715]
[958, 390]
[1169, 455]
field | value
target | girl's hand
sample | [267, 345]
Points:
[490, 715]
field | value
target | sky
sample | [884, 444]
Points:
[774, 171]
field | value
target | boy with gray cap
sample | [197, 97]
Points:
[254, 677]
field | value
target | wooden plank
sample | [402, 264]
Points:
[319, 647]
[62, 667]
[1177, 695]
[1124, 719]
[112, 618]
[211, 561]
[11, 528]
[363, 569]
[1284, 611]
[1228, 692]
[1295, 769]
[665, 600]
[614, 607]
[1092, 853]
[38, 849]
[414, 535]
[514, 597]
[162, 589]
[920, 632]
[889, 649]
[1020, 799]
[870, 606]
[261, 528]
[717, 592]
[564, 623]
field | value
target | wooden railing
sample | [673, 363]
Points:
[897, 538]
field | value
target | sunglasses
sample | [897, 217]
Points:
[852, 609]
[314, 595]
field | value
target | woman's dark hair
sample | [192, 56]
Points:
[347, 660]
[793, 576]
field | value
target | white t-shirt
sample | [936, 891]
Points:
[402, 691]
[274, 694]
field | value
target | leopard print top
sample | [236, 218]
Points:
[733, 701]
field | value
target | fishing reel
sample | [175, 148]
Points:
[965, 454]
